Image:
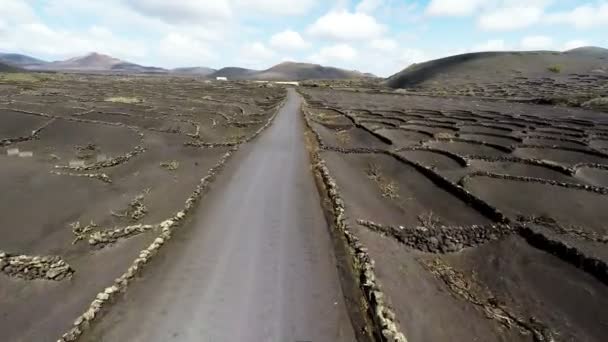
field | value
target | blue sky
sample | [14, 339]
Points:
[379, 36]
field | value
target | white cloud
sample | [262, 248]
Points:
[368, 6]
[16, 11]
[491, 45]
[276, 7]
[335, 53]
[39, 39]
[179, 49]
[183, 11]
[582, 17]
[384, 44]
[410, 56]
[510, 18]
[572, 44]
[453, 7]
[288, 40]
[346, 26]
[256, 55]
[536, 43]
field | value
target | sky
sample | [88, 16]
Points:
[378, 36]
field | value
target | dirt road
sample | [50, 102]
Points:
[255, 264]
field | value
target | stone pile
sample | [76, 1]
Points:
[34, 267]
[442, 239]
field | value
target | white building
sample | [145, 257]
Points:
[221, 79]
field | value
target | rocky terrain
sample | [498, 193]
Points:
[97, 172]
[468, 218]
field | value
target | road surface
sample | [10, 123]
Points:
[255, 264]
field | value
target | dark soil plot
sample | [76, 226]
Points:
[505, 126]
[127, 108]
[402, 137]
[388, 123]
[399, 196]
[559, 131]
[168, 188]
[465, 148]
[15, 124]
[29, 107]
[598, 177]
[429, 129]
[599, 143]
[560, 156]
[348, 138]
[330, 117]
[42, 310]
[472, 129]
[435, 122]
[567, 206]
[554, 142]
[36, 218]
[64, 138]
[432, 159]
[519, 169]
[533, 283]
[165, 124]
[493, 139]
[425, 309]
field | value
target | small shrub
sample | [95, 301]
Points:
[597, 103]
[171, 166]
[388, 187]
[21, 77]
[429, 220]
[443, 135]
[555, 68]
[343, 137]
[123, 99]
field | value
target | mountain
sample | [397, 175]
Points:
[20, 60]
[8, 68]
[194, 71]
[588, 51]
[136, 68]
[288, 71]
[93, 61]
[291, 71]
[98, 63]
[492, 66]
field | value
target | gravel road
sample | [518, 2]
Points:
[254, 264]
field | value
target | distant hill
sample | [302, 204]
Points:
[492, 66]
[92, 61]
[136, 68]
[195, 71]
[20, 60]
[96, 62]
[291, 71]
[288, 71]
[588, 51]
[234, 73]
[8, 68]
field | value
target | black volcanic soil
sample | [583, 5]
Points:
[547, 77]
[78, 151]
[488, 217]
